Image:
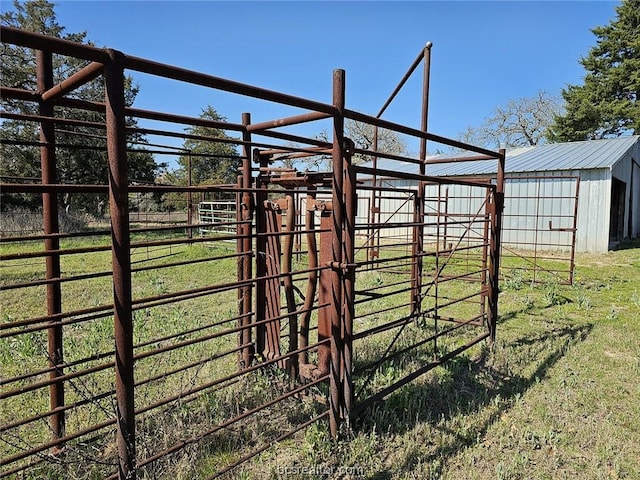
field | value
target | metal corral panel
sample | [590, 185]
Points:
[530, 203]
[461, 209]
[396, 207]
[539, 211]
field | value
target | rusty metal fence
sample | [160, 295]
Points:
[238, 339]
[540, 226]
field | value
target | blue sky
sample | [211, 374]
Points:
[484, 53]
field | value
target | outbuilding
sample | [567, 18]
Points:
[587, 192]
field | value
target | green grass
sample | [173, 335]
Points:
[556, 396]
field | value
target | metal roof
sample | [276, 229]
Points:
[590, 154]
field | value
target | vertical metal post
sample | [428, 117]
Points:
[425, 99]
[246, 215]
[446, 219]
[349, 274]
[485, 248]
[572, 263]
[337, 216]
[373, 235]
[494, 246]
[189, 198]
[436, 275]
[417, 243]
[121, 264]
[305, 316]
[44, 72]
[261, 252]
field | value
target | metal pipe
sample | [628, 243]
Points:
[19, 94]
[122, 301]
[38, 41]
[44, 67]
[484, 255]
[337, 217]
[40, 118]
[349, 275]
[85, 75]
[396, 127]
[196, 78]
[427, 178]
[404, 79]
[574, 234]
[494, 249]
[312, 278]
[282, 122]
[173, 118]
[189, 197]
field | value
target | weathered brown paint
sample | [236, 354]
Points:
[121, 263]
[44, 67]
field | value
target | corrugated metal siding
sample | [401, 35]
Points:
[592, 154]
[531, 202]
[520, 222]
[556, 205]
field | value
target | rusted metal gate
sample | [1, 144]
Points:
[116, 367]
[539, 221]
[438, 280]
[540, 226]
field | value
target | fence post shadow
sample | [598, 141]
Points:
[469, 386]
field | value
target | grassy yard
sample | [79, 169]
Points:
[557, 396]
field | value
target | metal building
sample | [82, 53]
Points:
[557, 195]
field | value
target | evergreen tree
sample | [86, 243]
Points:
[87, 165]
[607, 104]
[211, 162]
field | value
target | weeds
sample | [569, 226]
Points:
[614, 313]
[551, 295]
[514, 281]
[584, 302]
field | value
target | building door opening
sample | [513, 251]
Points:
[616, 225]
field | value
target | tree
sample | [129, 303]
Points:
[363, 136]
[86, 165]
[211, 162]
[520, 122]
[606, 105]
